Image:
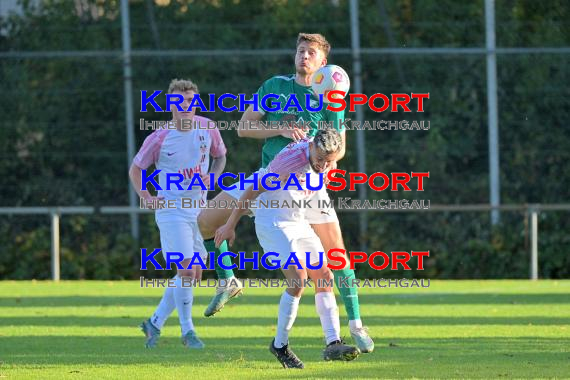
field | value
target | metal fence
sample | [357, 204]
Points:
[357, 53]
[55, 214]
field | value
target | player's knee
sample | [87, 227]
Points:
[185, 272]
[340, 255]
[204, 225]
[295, 291]
[328, 275]
[324, 284]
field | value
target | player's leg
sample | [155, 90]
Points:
[288, 307]
[325, 301]
[184, 237]
[273, 239]
[191, 245]
[186, 293]
[184, 297]
[325, 223]
[331, 237]
[209, 221]
[153, 325]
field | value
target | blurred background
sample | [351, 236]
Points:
[72, 72]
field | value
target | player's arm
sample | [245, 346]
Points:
[284, 164]
[218, 165]
[245, 126]
[227, 231]
[146, 157]
[135, 175]
[218, 154]
[250, 117]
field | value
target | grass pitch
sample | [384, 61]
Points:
[454, 329]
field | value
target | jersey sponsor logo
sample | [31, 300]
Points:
[188, 173]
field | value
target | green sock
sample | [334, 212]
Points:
[227, 260]
[348, 292]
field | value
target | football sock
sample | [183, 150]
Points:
[221, 272]
[225, 282]
[183, 296]
[348, 292]
[355, 324]
[328, 312]
[288, 307]
[164, 309]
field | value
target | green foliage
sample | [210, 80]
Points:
[63, 138]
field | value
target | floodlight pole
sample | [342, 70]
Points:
[55, 250]
[129, 118]
[493, 118]
[360, 142]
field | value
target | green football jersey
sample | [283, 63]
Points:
[284, 86]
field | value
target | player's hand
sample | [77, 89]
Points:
[295, 133]
[198, 275]
[206, 179]
[225, 232]
[151, 202]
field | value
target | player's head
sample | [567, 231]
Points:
[187, 89]
[324, 149]
[312, 53]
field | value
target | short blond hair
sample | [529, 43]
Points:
[182, 85]
[328, 140]
[316, 38]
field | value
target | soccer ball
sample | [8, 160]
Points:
[328, 78]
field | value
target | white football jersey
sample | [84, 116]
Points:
[184, 153]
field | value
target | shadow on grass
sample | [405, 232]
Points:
[231, 320]
[380, 299]
[407, 353]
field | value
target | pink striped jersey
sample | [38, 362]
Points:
[185, 153]
[294, 158]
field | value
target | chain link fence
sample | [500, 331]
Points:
[64, 141]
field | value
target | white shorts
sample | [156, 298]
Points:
[321, 215]
[183, 237]
[287, 237]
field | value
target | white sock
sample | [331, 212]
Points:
[225, 282]
[355, 324]
[183, 296]
[164, 309]
[288, 307]
[328, 312]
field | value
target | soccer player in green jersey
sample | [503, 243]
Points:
[311, 54]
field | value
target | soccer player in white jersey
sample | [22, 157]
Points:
[185, 150]
[286, 231]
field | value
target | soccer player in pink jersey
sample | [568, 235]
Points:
[311, 54]
[185, 151]
[287, 231]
